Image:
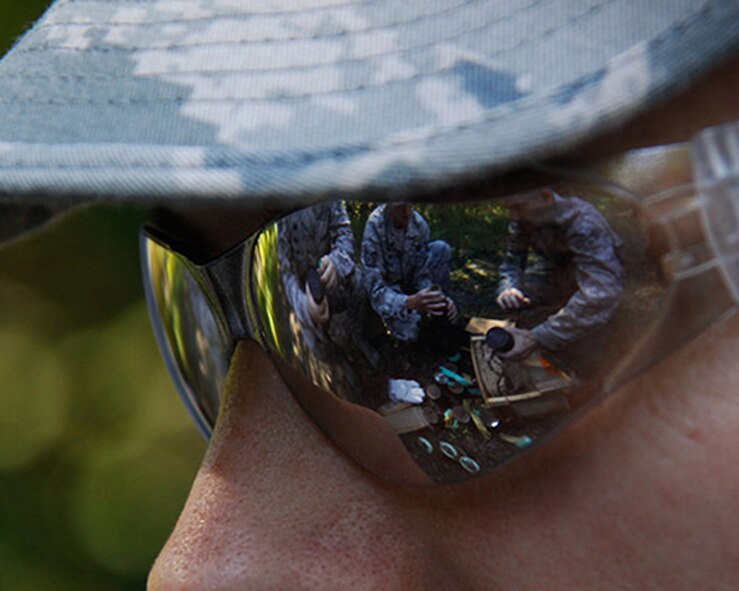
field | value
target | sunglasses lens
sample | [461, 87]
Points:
[189, 332]
[392, 323]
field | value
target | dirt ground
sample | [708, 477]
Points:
[494, 436]
[500, 433]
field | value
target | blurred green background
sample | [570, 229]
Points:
[96, 452]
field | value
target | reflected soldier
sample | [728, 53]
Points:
[316, 252]
[405, 273]
[577, 280]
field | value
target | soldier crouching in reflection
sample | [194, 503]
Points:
[577, 280]
[316, 252]
[406, 274]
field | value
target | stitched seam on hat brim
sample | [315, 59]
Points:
[113, 49]
[539, 145]
[397, 143]
[300, 10]
[238, 16]
[284, 97]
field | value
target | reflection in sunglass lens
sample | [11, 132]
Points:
[455, 335]
[189, 332]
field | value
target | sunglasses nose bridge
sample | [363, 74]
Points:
[226, 275]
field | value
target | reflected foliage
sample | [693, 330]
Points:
[194, 337]
[266, 286]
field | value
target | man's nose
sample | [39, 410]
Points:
[276, 506]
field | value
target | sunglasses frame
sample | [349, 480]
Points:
[702, 254]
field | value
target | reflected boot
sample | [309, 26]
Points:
[401, 357]
[352, 380]
[442, 337]
[371, 354]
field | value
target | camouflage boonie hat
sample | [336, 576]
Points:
[293, 100]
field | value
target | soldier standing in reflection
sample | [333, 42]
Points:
[577, 280]
[405, 273]
[318, 240]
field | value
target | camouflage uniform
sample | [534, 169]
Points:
[303, 238]
[578, 275]
[398, 263]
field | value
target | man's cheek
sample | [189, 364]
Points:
[694, 394]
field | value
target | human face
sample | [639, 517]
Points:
[400, 214]
[531, 206]
[640, 493]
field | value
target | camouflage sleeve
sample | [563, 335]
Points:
[422, 272]
[342, 240]
[294, 292]
[514, 262]
[388, 301]
[599, 276]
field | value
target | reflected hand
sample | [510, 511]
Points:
[451, 309]
[319, 313]
[328, 273]
[524, 344]
[512, 299]
[426, 300]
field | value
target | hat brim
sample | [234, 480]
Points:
[156, 102]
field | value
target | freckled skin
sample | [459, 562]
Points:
[271, 516]
[640, 494]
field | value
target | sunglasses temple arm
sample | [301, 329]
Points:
[702, 221]
[716, 165]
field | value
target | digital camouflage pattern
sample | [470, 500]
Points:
[303, 238]
[398, 264]
[300, 100]
[576, 261]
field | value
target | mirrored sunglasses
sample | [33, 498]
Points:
[434, 342]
